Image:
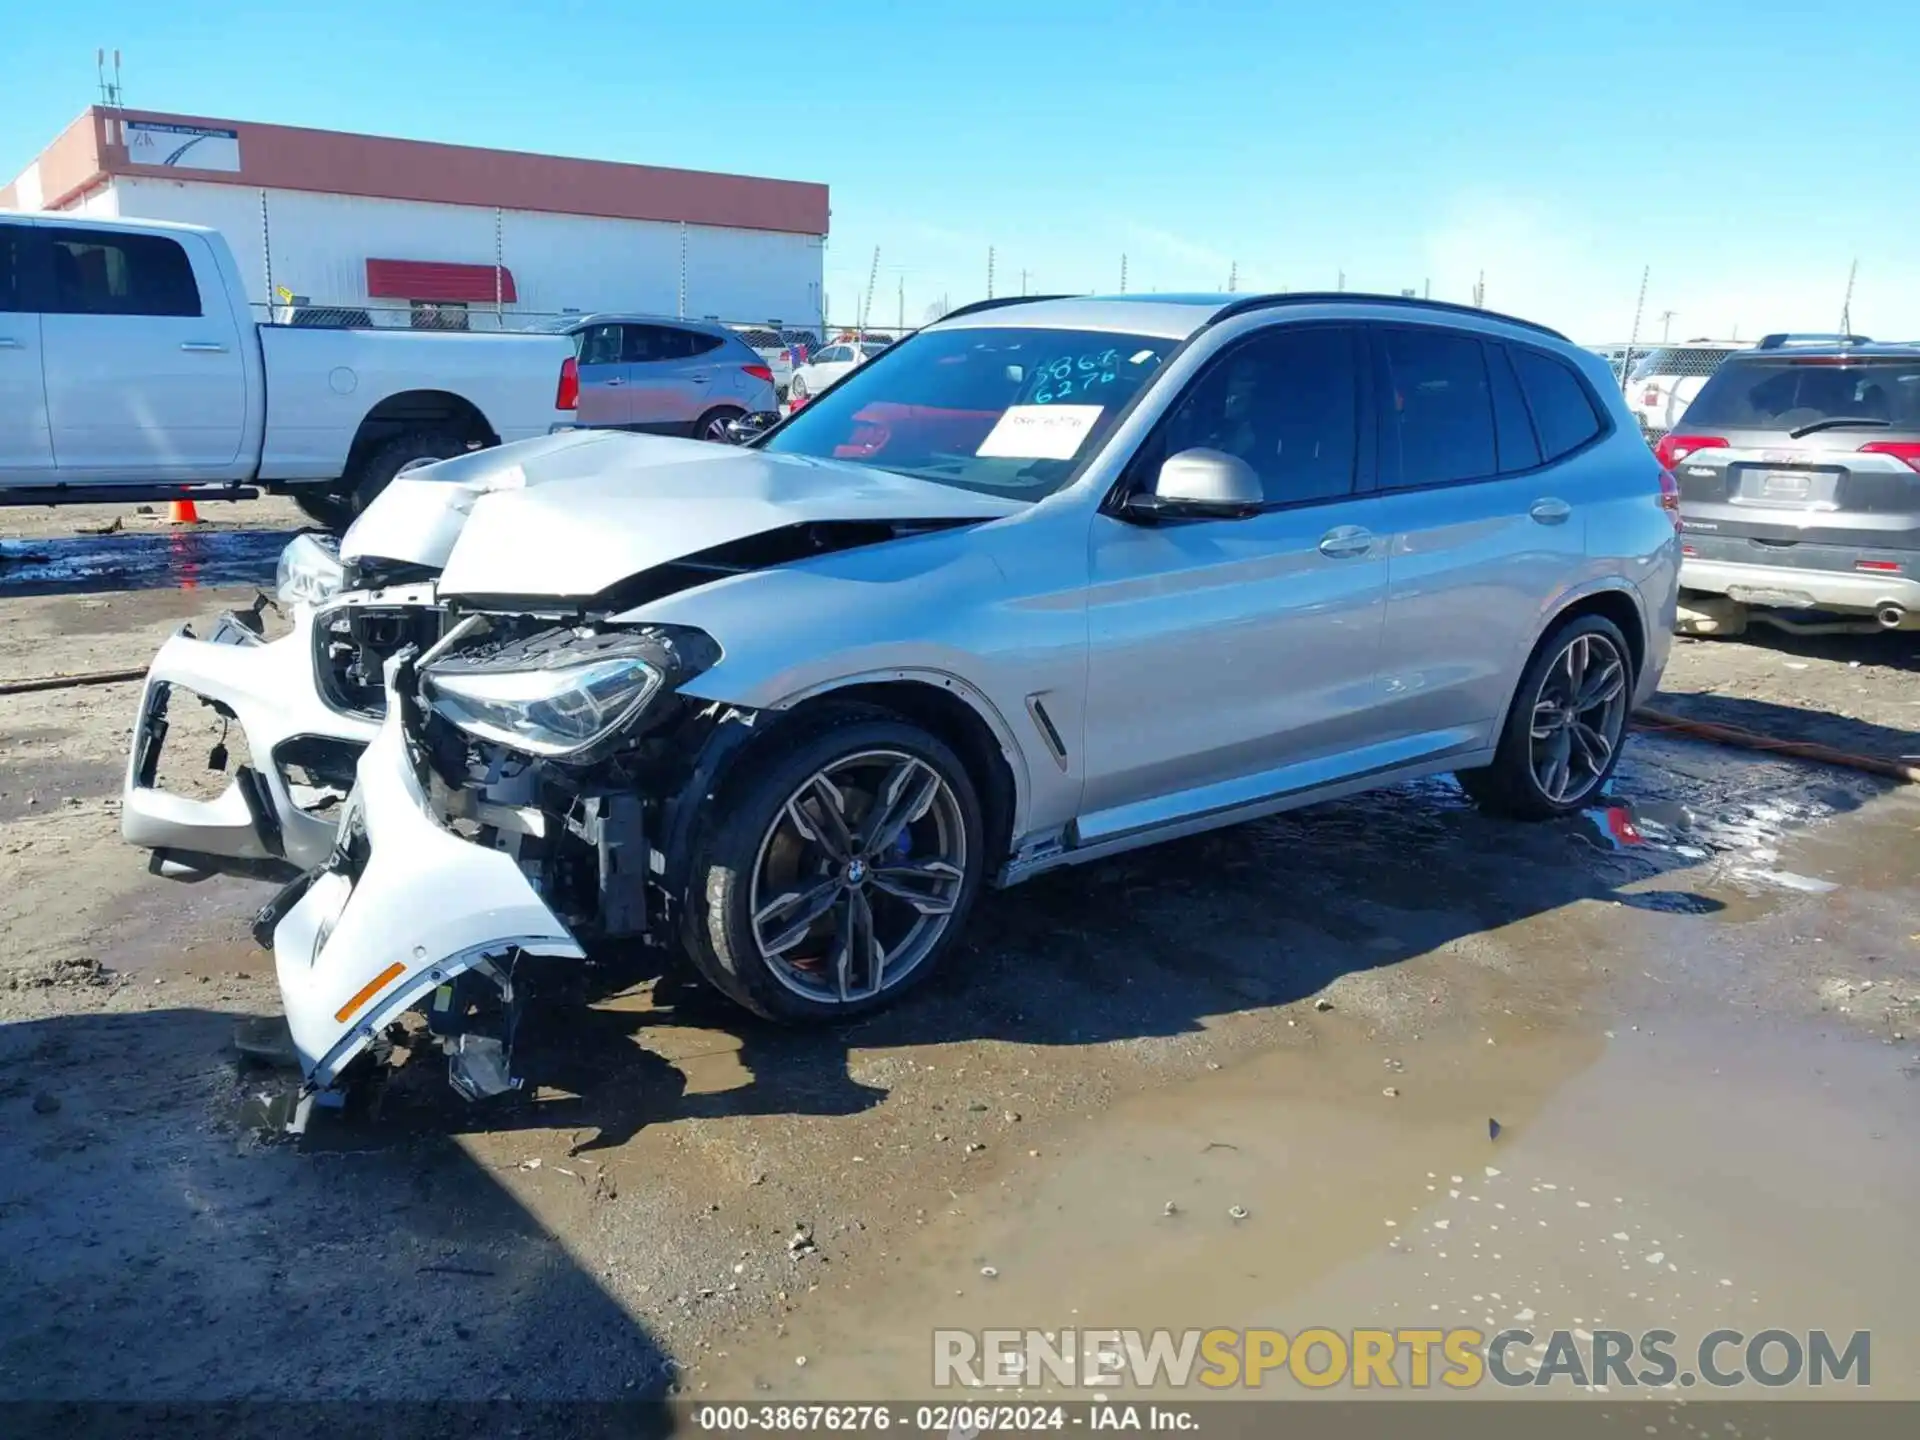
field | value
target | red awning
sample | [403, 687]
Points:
[437, 280]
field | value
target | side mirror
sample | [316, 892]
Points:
[747, 427]
[1199, 484]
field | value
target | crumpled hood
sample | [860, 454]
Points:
[569, 515]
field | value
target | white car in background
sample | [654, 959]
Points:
[1664, 381]
[783, 348]
[830, 364]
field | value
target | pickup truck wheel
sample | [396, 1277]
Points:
[838, 870]
[328, 507]
[386, 460]
[1565, 727]
[712, 426]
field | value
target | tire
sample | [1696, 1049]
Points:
[754, 850]
[797, 388]
[712, 426]
[386, 460]
[1513, 785]
[327, 507]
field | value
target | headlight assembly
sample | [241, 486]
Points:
[309, 571]
[562, 693]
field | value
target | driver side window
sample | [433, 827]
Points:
[1284, 401]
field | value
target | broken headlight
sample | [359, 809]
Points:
[309, 571]
[562, 692]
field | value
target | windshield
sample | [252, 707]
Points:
[1790, 394]
[1005, 411]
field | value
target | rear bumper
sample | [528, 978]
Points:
[269, 690]
[1795, 589]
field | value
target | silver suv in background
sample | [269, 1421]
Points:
[1798, 487]
[666, 377]
[1047, 581]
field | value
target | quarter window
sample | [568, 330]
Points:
[1285, 403]
[600, 345]
[1563, 411]
[106, 272]
[1436, 412]
[1513, 430]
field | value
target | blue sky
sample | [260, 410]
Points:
[1746, 152]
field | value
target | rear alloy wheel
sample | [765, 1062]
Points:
[797, 388]
[712, 426]
[1563, 735]
[842, 874]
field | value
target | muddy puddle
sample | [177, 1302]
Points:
[177, 560]
[1678, 1119]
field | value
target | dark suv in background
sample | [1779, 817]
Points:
[1799, 473]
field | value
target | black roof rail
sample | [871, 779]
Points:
[1338, 297]
[1809, 337]
[997, 302]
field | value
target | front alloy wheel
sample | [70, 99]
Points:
[858, 876]
[837, 867]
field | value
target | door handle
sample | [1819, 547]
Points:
[613, 384]
[7, 342]
[1550, 511]
[1346, 541]
[203, 347]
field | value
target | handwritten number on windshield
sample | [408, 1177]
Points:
[1071, 375]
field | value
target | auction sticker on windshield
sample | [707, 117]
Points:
[1040, 432]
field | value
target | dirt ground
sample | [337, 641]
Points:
[1242, 1079]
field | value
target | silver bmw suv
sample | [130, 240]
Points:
[1048, 580]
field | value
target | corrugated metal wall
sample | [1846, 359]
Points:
[321, 244]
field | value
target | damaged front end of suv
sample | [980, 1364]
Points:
[524, 776]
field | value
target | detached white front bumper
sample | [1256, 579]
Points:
[270, 688]
[356, 951]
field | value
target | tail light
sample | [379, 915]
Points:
[759, 372]
[1905, 451]
[1650, 395]
[1670, 497]
[1673, 448]
[1878, 567]
[567, 396]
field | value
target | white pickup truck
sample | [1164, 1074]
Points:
[131, 368]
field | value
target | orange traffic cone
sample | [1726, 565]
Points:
[181, 512]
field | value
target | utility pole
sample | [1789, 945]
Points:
[1123, 272]
[1626, 366]
[1023, 279]
[1341, 283]
[1426, 288]
[1666, 323]
[1480, 292]
[1846, 305]
[866, 302]
[990, 272]
[1233, 277]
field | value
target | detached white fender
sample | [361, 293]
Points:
[353, 954]
[270, 689]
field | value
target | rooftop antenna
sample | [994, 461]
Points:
[109, 89]
[1846, 304]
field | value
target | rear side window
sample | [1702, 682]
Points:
[105, 272]
[1778, 393]
[1436, 409]
[598, 345]
[1563, 412]
[689, 343]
